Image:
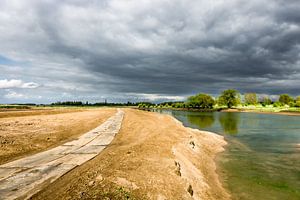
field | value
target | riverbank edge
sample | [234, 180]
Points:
[216, 156]
[241, 110]
[284, 112]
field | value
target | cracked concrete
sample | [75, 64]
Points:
[25, 177]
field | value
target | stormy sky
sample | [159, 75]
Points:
[54, 50]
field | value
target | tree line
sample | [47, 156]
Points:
[228, 98]
[80, 103]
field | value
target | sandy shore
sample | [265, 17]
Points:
[262, 112]
[152, 157]
[24, 133]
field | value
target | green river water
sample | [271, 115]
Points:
[262, 158]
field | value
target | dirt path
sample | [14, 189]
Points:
[23, 178]
[152, 157]
[38, 130]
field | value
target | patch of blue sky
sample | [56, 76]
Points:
[6, 61]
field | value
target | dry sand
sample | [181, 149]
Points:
[27, 132]
[152, 157]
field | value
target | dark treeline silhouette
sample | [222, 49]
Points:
[80, 103]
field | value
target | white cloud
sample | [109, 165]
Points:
[20, 96]
[14, 95]
[157, 97]
[14, 83]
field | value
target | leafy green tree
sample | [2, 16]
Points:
[285, 99]
[297, 102]
[250, 98]
[229, 98]
[201, 101]
[238, 99]
[266, 101]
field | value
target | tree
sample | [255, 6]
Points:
[285, 99]
[250, 98]
[201, 101]
[266, 101]
[229, 98]
[297, 102]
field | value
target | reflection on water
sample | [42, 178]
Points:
[229, 122]
[262, 160]
[203, 121]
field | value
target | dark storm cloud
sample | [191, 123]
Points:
[159, 48]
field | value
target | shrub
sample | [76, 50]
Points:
[277, 104]
[292, 104]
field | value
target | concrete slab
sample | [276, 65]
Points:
[7, 172]
[21, 183]
[80, 141]
[73, 159]
[32, 161]
[103, 140]
[89, 149]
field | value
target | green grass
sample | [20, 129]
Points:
[269, 108]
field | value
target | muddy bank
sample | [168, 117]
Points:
[152, 157]
[37, 131]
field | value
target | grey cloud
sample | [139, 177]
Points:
[160, 48]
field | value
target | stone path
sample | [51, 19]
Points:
[25, 177]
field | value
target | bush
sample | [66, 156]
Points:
[146, 105]
[277, 104]
[178, 105]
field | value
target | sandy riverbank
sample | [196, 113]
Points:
[24, 133]
[261, 112]
[152, 157]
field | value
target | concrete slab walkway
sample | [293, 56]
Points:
[25, 177]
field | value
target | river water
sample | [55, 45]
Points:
[262, 158]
